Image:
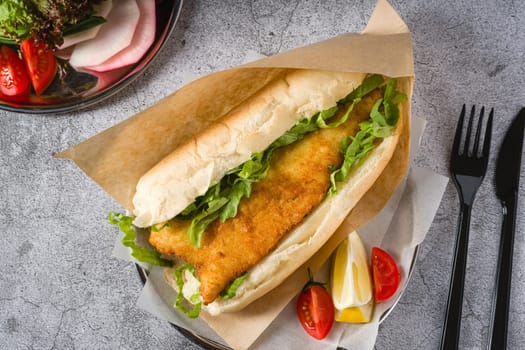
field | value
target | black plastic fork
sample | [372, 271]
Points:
[468, 167]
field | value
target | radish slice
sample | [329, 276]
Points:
[114, 36]
[105, 79]
[142, 40]
[101, 10]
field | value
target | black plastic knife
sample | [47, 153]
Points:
[508, 169]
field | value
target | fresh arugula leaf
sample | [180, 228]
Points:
[195, 298]
[125, 224]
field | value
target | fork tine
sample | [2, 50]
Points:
[475, 149]
[459, 128]
[488, 133]
[469, 130]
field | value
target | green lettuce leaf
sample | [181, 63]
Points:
[155, 228]
[195, 299]
[16, 19]
[230, 292]
[383, 118]
[368, 85]
[125, 224]
[46, 20]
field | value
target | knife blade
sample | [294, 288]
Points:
[509, 159]
[508, 171]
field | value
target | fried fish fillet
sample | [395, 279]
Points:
[296, 183]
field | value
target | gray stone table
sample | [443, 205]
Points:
[59, 286]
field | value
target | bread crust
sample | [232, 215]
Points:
[174, 183]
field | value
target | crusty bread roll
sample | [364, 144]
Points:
[174, 183]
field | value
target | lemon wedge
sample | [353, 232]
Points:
[351, 284]
[356, 314]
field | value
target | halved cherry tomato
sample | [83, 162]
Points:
[315, 310]
[41, 64]
[386, 275]
[16, 100]
[13, 76]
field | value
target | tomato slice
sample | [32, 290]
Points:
[13, 76]
[386, 275]
[41, 64]
[315, 310]
[16, 100]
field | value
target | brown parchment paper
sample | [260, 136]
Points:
[116, 158]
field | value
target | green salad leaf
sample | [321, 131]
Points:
[16, 19]
[46, 20]
[383, 118]
[230, 292]
[195, 298]
[155, 228]
[125, 224]
[368, 85]
[222, 199]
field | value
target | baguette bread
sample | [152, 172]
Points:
[175, 182]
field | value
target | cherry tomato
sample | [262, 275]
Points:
[13, 76]
[315, 310]
[16, 100]
[41, 64]
[386, 275]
